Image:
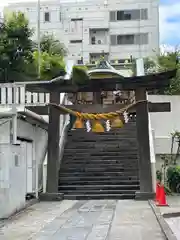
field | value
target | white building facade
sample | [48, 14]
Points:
[118, 29]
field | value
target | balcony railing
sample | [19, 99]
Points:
[16, 94]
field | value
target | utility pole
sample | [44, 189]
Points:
[39, 36]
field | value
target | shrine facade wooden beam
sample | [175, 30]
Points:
[148, 82]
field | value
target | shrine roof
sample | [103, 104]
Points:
[149, 82]
[103, 70]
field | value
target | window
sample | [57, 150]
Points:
[16, 160]
[93, 40]
[127, 15]
[112, 16]
[125, 39]
[113, 40]
[75, 41]
[80, 61]
[144, 14]
[112, 61]
[60, 16]
[47, 17]
[130, 39]
[76, 19]
[141, 39]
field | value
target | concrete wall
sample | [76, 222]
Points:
[5, 130]
[96, 15]
[12, 179]
[25, 130]
[15, 175]
[163, 124]
[39, 137]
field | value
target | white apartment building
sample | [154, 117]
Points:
[117, 28]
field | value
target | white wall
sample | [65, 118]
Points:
[165, 123]
[12, 179]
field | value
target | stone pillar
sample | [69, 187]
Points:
[142, 122]
[53, 152]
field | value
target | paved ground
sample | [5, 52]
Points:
[174, 224]
[174, 207]
[84, 220]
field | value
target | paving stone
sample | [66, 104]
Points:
[85, 220]
[174, 224]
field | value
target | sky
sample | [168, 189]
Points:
[169, 20]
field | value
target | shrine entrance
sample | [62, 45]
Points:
[103, 81]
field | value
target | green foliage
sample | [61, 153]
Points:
[79, 75]
[51, 65]
[52, 46]
[173, 177]
[52, 58]
[167, 190]
[165, 62]
[159, 176]
[19, 55]
[15, 47]
[168, 61]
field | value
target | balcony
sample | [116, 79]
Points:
[97, 24]
[97, 48]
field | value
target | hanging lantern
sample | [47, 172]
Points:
[97, 126]
[117, 123]
[78, 123]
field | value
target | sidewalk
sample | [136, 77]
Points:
[171, 214]
[84, 220]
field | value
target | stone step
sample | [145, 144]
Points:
[85, 191]
[118, 158]
[126, 132]
[100, 154]
[98, 196]
[107, 173]
[88, 135]
[69, 177]
[128, 136]
[96, 145]
[110, 143]
[99, 169]
[101, 150]
[71, 181]
[99, 165]
[99, 187]
[123, 140]
[107, 145]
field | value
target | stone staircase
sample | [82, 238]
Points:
[100, 165]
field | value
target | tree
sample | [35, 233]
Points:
[16, 48]
[164, 62]
[52, 46]
[52, 57]
[52, 66]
